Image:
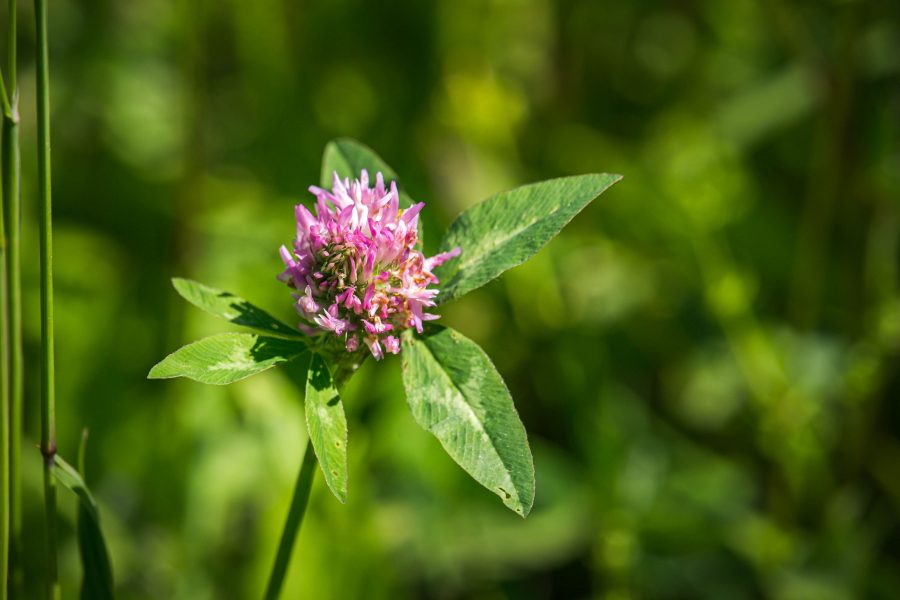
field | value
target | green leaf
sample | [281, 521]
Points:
[98, 581]
[348, 157]
[327, 425]
[227, 357]
[455, 392]
[232, 308]
[509, 228]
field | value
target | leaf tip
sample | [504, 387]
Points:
[515, 504]
[340, 492]
[159, 370]
[608, 180]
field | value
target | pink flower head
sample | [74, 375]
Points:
[355, 267]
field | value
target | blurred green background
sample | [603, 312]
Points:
[705, 360]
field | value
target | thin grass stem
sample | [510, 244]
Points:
[48, 401]
[4, 410]
[12, 206]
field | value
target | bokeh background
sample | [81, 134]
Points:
[706, 359]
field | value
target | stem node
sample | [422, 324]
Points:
[49, 453]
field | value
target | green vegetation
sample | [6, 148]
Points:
[705, 359]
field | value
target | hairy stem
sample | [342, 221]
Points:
[293, 523]
[48, 404]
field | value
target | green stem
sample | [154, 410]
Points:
[11, 46]
[292, 525]
[48, 404]
[10, 221]
[4, 98]
[12, 205]
[4, 411]
[12, 312]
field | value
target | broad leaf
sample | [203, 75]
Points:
[232, 308]
[327, 425]
[348, 157]
[509, 228]
[227, 357]
[98, 580]
[455, 392]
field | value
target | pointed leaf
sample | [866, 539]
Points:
[232, 308]
[509, 228]
[348, 157]
[327, 426]
[98, 581]
[227, 357]
[455, 392]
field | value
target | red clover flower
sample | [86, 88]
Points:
[359, 279]
[355, 267]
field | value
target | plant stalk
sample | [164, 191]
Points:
[48, 402]
[12, 318]
[293, 523]
[12, 206]
[4, 409]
